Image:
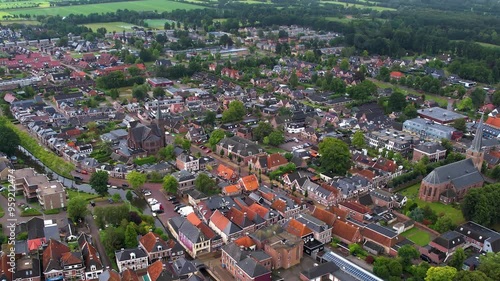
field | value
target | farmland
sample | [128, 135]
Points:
[141, 5]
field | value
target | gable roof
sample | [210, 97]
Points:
[321, 270]
[52, 254]
[225, 172]
[275, 160]
[252, 268]
[344, 230]
[324, 215]
[297, 228]
[151, 241]
[155, 270]
[231, 189]
[129, 275]
[461, 174]
[250, 182]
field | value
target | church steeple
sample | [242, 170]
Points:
[475, 152]
[477, 142]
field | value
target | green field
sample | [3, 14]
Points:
[117, 26]
[142, 5]
[157, 23]
[375, 8]
[440, 209]
[342, 20]
[418, 236]
[27, 22]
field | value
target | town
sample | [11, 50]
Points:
[228, 150]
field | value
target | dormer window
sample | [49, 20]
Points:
[132, 255]
[159, 248]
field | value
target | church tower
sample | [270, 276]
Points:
[475, 151]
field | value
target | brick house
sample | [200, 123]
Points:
[442, 247]
[187, 162]
[249, 183]
[355, 210]
[155, 247]
[135, 259]
[224, 227]
[433, 150]
[231, 190]
[246, 265]
[59, 261]
[383, 238]
[240, 149]
[267, 163]
[346, 232]
[226, 173]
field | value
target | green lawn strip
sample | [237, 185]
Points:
[30, 212]
[87, 196]
[418, 236]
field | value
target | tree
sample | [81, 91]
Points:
[99, 182]
[344, 64]
[417, 214]
[130, 236]
[235, 112]
[478, 96]
[496, 98]
[458, 258]
[112, 238]
[77, 208]
[216, 136]
[443, 273]
[465, 104]
[396, 102]
[9, 140]
[158, 92]
[167, 152]
[444, 224]
[419, 271]
[205, 184]
[136, 179]
[407, 253]
[170, 184]
[129, 195]
[410, 111]
[475, 275]
[358, 140]
[276, 138]
[335, 156]
[262, 130]
[294, 80]
[209, 119]
[460, 125]
[490, 265]
[139, 92]
[386, 268]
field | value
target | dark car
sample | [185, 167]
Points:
[124, 185]
[178, 207]
[175, 202]
[78, 178]
[171, 198]
[92, 203]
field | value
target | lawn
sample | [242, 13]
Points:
[117, 26]
[454, 213]
[418, 236]
[87, 196]
[27, 22]
[271, 149]
[158, 23]
[375, 8]
[342, 20]
[140, 5]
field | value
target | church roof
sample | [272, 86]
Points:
[476, 143]
[462, 174]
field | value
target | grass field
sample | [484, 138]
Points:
[142, 5]
[483, 44]
[343, 19]
[87, 196]
[418, 236]
[117, 26]
[27, 22]
[375, 8]
[157, 23]
[455, 214]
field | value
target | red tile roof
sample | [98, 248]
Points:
[355, 206]
[276, 160]
[259, 209]
[250, 182]
[149, 241]
[345, 230]
[297, 228]
[219, 220]
[494, 121]
[339, 213]
[324, 215]
[225, 172]
[154, 270]
[245, 241]
[231, 189]
[193, 219]
[129, 275]
[54, 251]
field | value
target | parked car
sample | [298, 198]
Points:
[171, 198]
[124, 185]
[203, 147]
[179, 207]
[92, 203]
[114, 187]
[208, 151]
[147, 193]
[84, 172]
[175, 202]
[152, 201]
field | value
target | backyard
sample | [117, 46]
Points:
[418, 236]
[454, 213]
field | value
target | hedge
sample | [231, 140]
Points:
[51, 160]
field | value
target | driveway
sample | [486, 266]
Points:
[94, 231]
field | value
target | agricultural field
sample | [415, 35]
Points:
[117, 26]
[140, 5]
[375, 8]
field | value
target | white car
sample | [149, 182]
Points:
[147, 193]
[152, 201]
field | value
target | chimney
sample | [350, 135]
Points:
[245, 214]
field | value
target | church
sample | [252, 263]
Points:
[450, 183]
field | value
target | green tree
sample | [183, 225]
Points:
[167, 152]
[386, 268]
[444, 224]
[129, 195]
[465, 104]
[410, 111]
[496, 98]
[209, 119]
[358, 140]
[419, 271]
[262, 130]
[490, 265]
[460, 125]
[235, 112]
[407, 254]
[131, 236]
[396, 102]
[134, 71]
[294, 80]
[344, 64]
[458, 258]
[139, 92]
[478, 96]
[276, 138]
[205, 184]
[335, 156]
[77, 208]
[99, 182]
[9, 140]
[112, 238]
[158, 92]
[216, 136]
[170, 184]
[475, 275]
[136, 179]
[443, 273]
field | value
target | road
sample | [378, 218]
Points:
[94, 231]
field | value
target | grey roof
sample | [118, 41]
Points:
[450, 239]
[382, 230]
[252, 268]
[441, 114]
[182, 267]
[321, 270]
[183, 175]
[245, 147]
[313, 223]
[477, 231]
[429, 147]
[124, 255]
[51, 231]
[21, 247]
[191, 232]
[461, 174]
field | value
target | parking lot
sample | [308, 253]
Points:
[293, 142]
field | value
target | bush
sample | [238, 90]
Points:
[369, 259]
[145, 160]
[52, 212]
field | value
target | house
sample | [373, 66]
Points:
[159, 82]
[325, 271]
[155, 247]
[379, 239]
[187, 162]
[189, 235]
[286, 207]
[185, 179]
[311, 246]
[196, 135]
[228, 230]
[242, 150]
[150, 138]
[442, 247]
[480, 237]
[59, 261]
[354, 210]
[134, 259]
[246, 265]
[226, 173]
[396, 75]
[249, 183]
[51, 195]
[157, 272]
[347, 233]
[427, 130]
[432, 150]
[322, 231]
[268, 163]
[93, 264]
[231, 190]
[285, 249]
[440, 115]
[324, 215]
